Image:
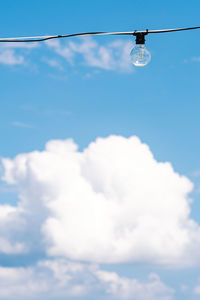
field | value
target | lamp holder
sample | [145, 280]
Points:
[140, 37]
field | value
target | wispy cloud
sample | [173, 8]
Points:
[15, 53]
[192, 59]
[20, 45]
[195, 173]
[9, 57]
[196, 289]
[58, 112]
[46, 112]
[112, 56]
[21, 124]
[54, 63]
[196, 59]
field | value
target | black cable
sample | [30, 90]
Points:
[170, 30]
[45, 38]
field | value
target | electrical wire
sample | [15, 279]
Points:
[169, 30]
[51, 37]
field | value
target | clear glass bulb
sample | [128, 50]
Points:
[140, 56]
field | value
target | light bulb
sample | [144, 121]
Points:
[140, 56]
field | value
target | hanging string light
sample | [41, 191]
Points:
[140, 56]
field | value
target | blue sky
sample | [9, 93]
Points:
[67, 90]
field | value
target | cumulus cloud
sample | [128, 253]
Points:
[111, 203]
[49, 279]
[9, 222]
[126, 288]
[58, 279]
[112, 56]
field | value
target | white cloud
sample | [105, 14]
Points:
[9, 57]
[111, 203]
[21, 124]
[58, 279]
[9, 222]
[65, 52]
[196, 59]
[21, 45]
[184, 288]
[53, 63]
[58, 112]
[196, 289]
[113, 56]
[192, 59]
[49, 279]
[126, 288]
[85, 51]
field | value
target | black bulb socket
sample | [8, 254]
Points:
[140, 37]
